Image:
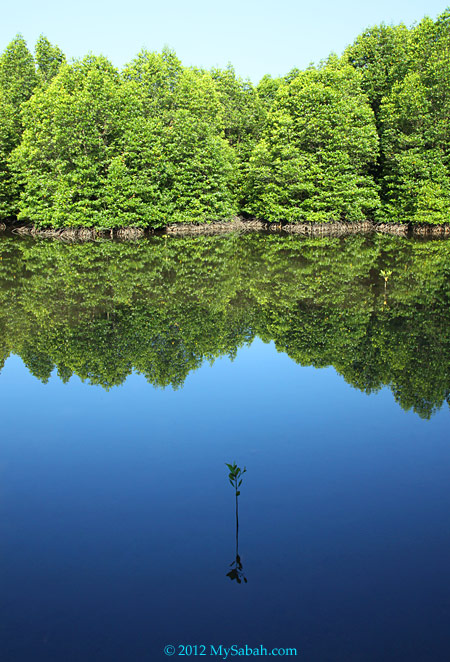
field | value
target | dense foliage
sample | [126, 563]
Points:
[163, 306]
[416, 131]
[363, 136]
[406, 75]
[103, 150]
[319, 142]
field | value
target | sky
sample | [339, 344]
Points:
[256, 36]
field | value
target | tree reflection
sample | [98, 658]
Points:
[164, 306]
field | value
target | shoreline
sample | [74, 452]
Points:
[237, 225]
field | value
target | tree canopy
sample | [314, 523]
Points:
[313, 161]
[361, 136]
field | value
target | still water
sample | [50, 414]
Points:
[133, 372]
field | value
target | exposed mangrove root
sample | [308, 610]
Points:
[434, 230]
[130, 233]
[80, 234]
[219, 227]
[414, 230]
[335, 229]
[237, 225]
[67, 234]
[392, 228]
[324, 229]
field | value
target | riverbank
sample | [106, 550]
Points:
[237, 225]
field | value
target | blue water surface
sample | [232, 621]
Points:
[118, 521]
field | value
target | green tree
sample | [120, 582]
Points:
[382, 54]
[71, 132]
[175, 165]
[48, 59]
[10, 131]
[17, 72]
[416, 131]
[313, 162]
[157, 75]
[171, 170]
[243, 110]
[243, 117]
[267, 89]
[17, 81]
[102, 150]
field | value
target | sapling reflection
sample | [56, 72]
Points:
[386, 274]
[235, 478]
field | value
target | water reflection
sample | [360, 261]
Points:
[376, 308]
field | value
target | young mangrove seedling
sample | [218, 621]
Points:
[235, 478]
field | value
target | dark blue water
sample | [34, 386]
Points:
[117, 519]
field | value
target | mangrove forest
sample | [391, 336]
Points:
[360, 136]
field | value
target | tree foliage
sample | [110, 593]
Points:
[48, 58]
[360, 137]
[20, 76]
[104, 150]
[10, 131]
[382, 54]
[71, 133]
[313, 162]
[416, 131]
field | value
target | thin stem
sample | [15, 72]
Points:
[237, 522]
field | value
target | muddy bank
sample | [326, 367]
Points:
[237, 225]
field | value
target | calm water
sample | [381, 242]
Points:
[133, 372]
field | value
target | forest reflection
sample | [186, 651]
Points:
[374, 307]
